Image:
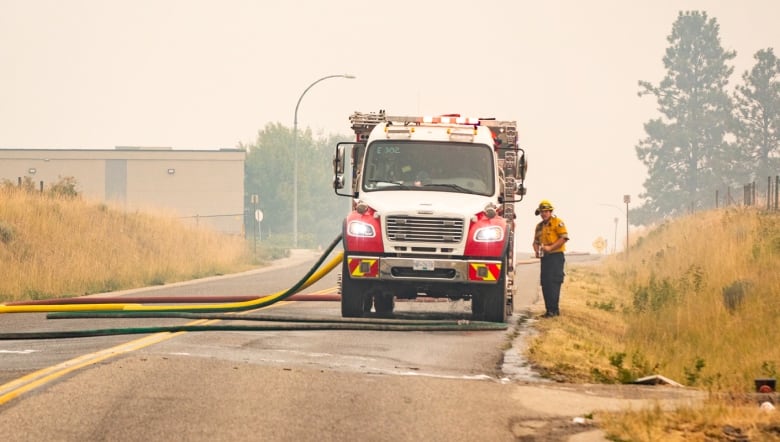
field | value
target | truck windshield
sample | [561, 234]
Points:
[425, 165]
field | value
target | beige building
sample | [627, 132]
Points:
[202, 186]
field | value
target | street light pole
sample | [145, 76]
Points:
[614, 245]
[295, 153]
[627, 200]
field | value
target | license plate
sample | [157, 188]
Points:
[423, 264]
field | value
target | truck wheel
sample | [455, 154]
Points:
[384, 304]
[477, 306]
[489, 301]
[495, 304]
[354, 302]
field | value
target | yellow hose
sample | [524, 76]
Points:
[244, 305]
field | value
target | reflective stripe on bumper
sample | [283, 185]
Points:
[426, 269]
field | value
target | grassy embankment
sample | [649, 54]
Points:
[697, 300]
[59, 246]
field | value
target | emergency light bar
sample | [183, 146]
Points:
[451, 119]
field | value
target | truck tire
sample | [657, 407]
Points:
[353, 298]
[384, 304]
[489, 301]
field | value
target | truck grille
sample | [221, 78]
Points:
[415, 228]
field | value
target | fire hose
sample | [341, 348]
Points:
[222, 311]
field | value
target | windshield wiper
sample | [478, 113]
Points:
[396, 183]
[455, 187]
[378, 184]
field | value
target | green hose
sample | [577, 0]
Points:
[217, 312]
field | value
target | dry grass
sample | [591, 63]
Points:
[706, 298]
[696, 301]
[716, 420]
[577, 346]
[58, 246]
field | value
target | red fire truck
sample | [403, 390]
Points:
[432, 212]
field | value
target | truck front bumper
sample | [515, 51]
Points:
[424, 269]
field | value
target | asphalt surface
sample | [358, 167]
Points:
[310, 386]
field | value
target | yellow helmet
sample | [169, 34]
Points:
[543, 205]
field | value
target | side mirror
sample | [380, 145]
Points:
[346, 159]
[522, 166]
[338, 168]
[338, 160]
[338, 182]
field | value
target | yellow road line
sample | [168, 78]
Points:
[38, 378]
[34, 380]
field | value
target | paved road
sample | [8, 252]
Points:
[285, 385]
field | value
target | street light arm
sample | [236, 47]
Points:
[619, 209]
[298, 104]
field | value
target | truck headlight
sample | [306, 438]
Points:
[489, 234]
[357, 228]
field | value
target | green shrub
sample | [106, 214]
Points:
[7, 233]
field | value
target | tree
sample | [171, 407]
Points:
[269, 166]
[686, 151]
[758, 111]
[268, 173]
[324, 213]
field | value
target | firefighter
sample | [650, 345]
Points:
[549, 245]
